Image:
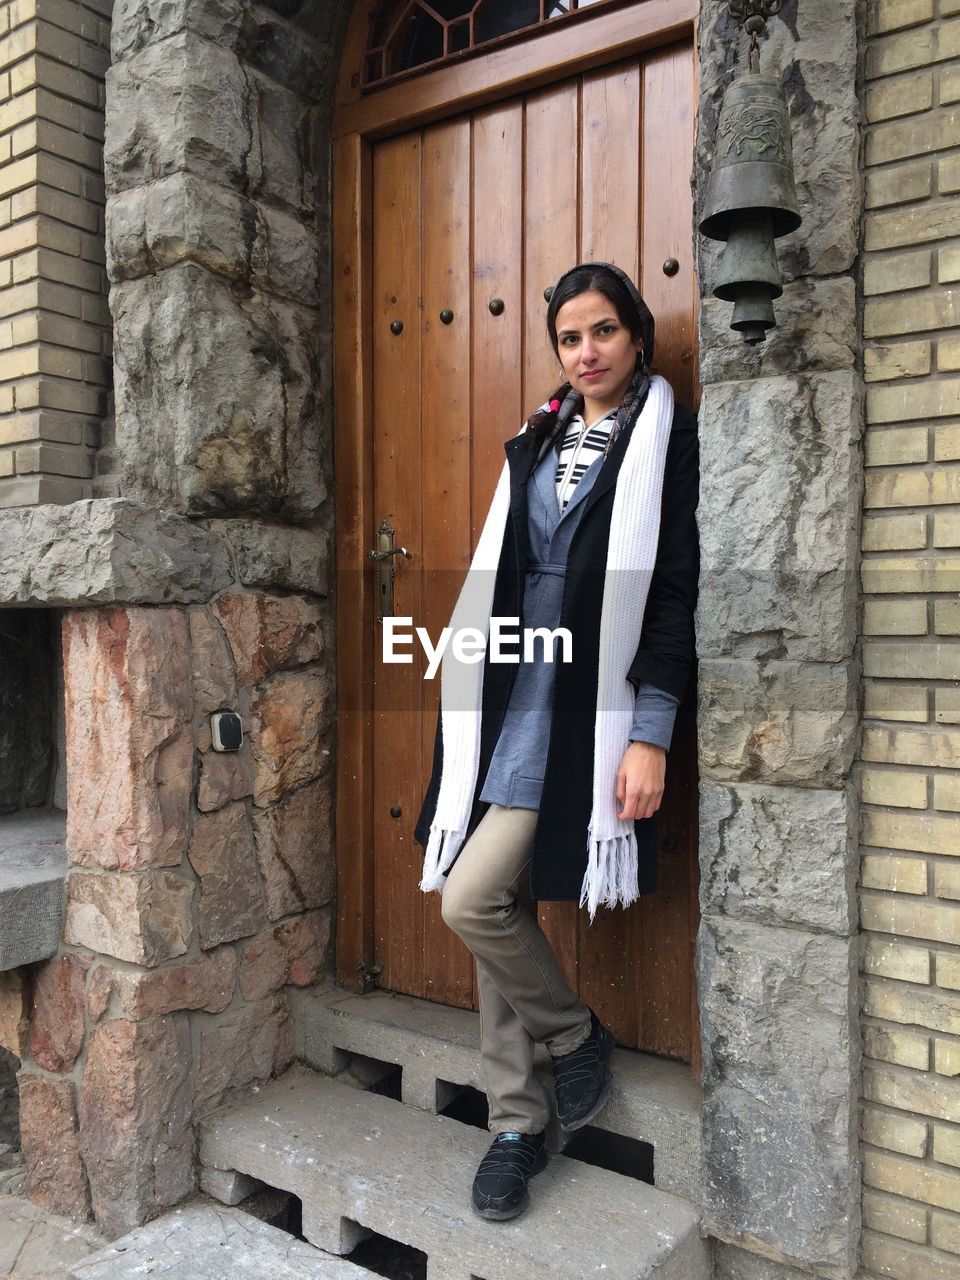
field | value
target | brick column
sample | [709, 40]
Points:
[55, 372]
[910, 878]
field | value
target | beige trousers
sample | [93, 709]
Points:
[524, 997]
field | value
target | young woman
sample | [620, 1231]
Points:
[547, 773]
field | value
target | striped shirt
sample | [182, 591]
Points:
[581, 446]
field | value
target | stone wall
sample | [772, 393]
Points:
[781, 480]
[217, 163]
[55, 336]
[200, 886]
[910, 880]
[201, 882]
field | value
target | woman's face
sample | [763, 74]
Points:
[596, 351]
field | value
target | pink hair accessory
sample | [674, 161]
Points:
[554, 406]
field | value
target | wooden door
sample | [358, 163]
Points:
[489, 207]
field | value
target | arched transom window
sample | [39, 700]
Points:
[415, 34]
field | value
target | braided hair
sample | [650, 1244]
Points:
[632, 312]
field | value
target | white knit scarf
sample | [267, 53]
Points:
[611, 874]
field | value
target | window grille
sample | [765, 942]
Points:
[417, 34]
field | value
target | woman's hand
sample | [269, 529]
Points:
[640, 780]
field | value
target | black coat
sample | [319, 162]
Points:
[665, 654]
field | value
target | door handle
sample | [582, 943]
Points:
[382, 555]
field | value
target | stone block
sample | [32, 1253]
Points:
[779, 855]
[817, 330]
[59, 1008]
[240, 1048]
[224, 776]
[205, 982]
[180, 105]
[107, 551]
[274, 555]
[221, 852]
[779, 549]
[228, 1188]
[99, 991]
[269, 633]
[288, 158]
[143, 918]
[14, 1011]
[48, 1129]
[294, 842]
[214, 679]
[258, 359]
[297, 951]
[785, 723]
[284, 53]
[137, 23]
[781, 1052]
[289, 719]
[33, 873]
[134, 1109]
[817, 50]
[185, 218]
[128, 709]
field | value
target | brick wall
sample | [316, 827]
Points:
[910, 881]
[55, 330]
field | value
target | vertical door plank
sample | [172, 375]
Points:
[663, 944]
[668, 212]
[397, 778]
[498, 409]
[610, 149]
[354, 832]
[445, 434]
[551, 218]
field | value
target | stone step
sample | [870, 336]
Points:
[361, 1162]
[209, 1242]
[33, 877]
[655, 1100]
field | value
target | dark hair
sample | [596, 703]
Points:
[605, 281]
[631, 310]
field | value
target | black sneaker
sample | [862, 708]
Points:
[582, 1080]
[500, 1187]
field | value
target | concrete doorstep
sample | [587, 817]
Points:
[360, 1162]
[210, 1242]
[655, 1100]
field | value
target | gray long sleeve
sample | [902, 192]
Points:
[654, 712]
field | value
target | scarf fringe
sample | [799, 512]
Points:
[442, 848]
[611, 875]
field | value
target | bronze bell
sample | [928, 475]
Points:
[751, 199]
